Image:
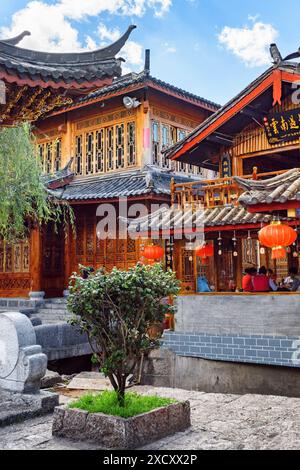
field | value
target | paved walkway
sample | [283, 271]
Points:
[218, 422]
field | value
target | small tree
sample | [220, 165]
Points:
[24, 198]
[116, 310]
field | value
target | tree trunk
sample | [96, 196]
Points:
[121, 391]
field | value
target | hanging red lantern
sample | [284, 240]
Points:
[153, 252]
[278, 253]
[204, 252]
[277, 236]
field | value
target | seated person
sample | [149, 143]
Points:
[261, 282]
[295, 286]
[247, 281]
[272, 280]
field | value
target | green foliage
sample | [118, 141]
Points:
[116, 310]
[107, 403]
[24, 199]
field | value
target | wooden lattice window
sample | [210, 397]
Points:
[155, 143]
[100, 151]
[41, 151]
[165, 142]
[110, 148]
[57, 155]
[89, 153]
[48, 165]
[131, 144]
[78, 155]
[119, 135]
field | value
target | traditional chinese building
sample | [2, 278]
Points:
[100, 140]
[253, 143]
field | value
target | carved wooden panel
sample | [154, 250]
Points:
[110, 253]
[14, 258]
[14, 283]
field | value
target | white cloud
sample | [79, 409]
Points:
[52, 28]
[250, 43]
[169, 49]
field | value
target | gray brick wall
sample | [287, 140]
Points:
[254, 349]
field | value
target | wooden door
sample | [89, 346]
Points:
[53, 275]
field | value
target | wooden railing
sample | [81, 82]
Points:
[213, 193]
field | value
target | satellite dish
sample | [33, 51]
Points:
[130, 103]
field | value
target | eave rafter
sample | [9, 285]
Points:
[29, 104]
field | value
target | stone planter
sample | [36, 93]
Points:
[112, 432]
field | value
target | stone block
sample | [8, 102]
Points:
[112, 432]
[16, 407]
[22, 363]
[51, 379]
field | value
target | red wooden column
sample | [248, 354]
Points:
[36, 263]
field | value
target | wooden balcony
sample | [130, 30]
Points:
[213, 193]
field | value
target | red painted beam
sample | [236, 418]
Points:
[274, 207]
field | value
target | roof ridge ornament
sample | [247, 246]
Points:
[275, 54]
[294, 55]
[15, 40]
[277, 57]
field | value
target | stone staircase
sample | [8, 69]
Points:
[48, 311]
[53, 311]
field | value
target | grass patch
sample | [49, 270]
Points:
[107, 403]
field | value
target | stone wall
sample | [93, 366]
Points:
[271, 315]
[166, 369]
[255, 349]
[262, 329]
[231, 344]
[62, 341]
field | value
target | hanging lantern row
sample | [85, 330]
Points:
[153, 252]
[277, 236]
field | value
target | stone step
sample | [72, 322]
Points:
[54, 311]
[50, 320]
[53, 306]
[59, 300]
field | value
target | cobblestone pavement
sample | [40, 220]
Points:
[218, 422]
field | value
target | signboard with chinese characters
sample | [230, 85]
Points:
[283, 127]
[226, 165]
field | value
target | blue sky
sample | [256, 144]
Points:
[210, 47]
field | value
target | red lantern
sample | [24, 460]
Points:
[277, 236]
[153, 252]
[278, 253]
[205, 252]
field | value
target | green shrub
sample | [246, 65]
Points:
[116, 310]
[107, 403]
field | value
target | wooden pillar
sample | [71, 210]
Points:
[237, 166]
[36, 259]
[68, 255]
[239, 264]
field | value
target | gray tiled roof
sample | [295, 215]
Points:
[63, 68]
[282, 188]
[132, 79]
[59, 176]
[176, 219]
[126, 184]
